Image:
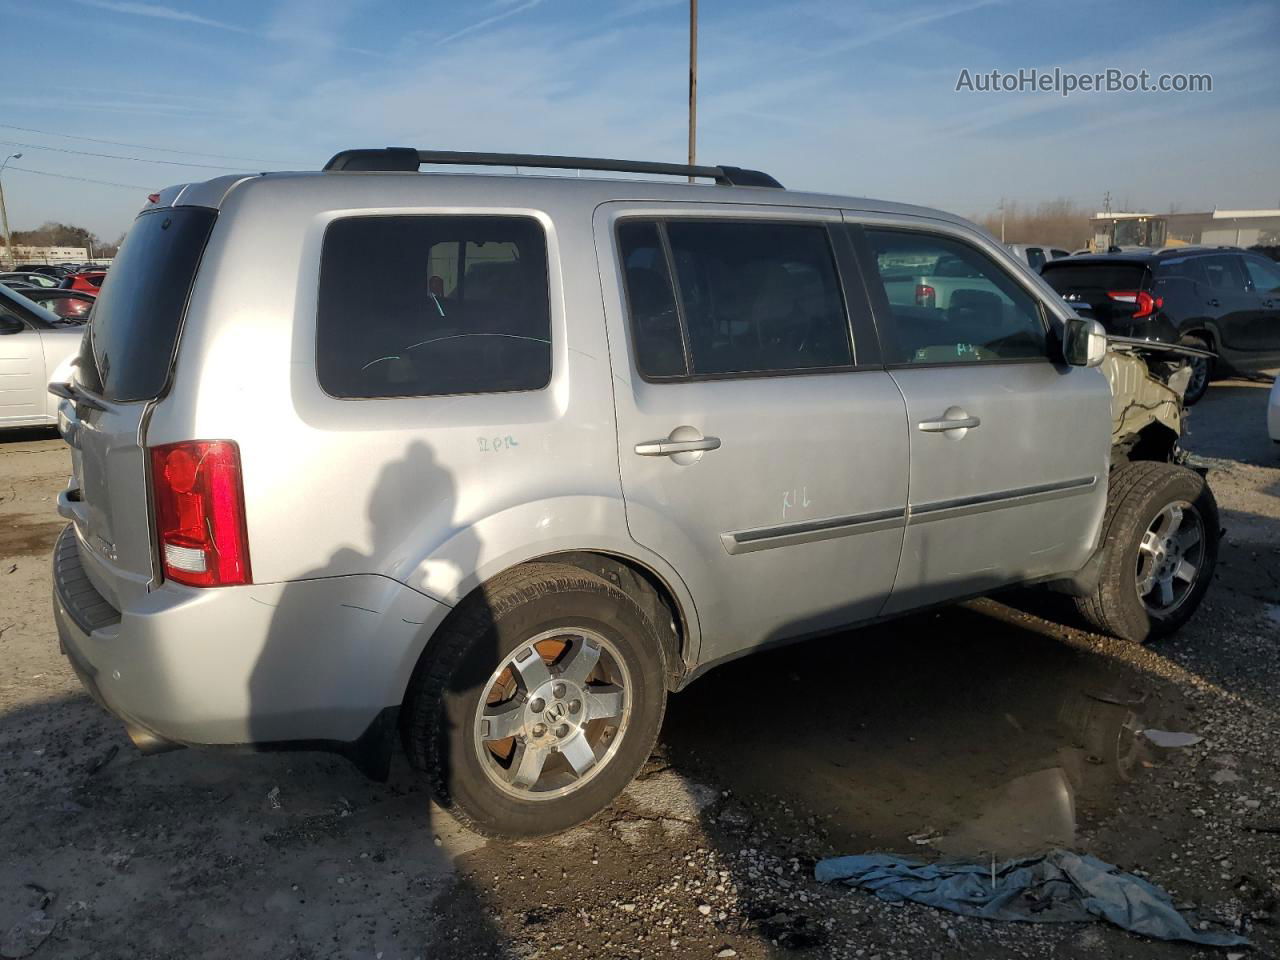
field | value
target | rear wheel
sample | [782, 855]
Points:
[1159, 550]
[538, 702]
[1201, 370]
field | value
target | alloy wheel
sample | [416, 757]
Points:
[553, 714]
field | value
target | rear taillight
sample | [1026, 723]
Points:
[926, 296]
[1145, 303]
[199, 508]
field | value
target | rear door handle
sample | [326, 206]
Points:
[940, 426]
[666, 448]
[1215, 303]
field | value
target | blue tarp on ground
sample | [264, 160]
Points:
[1057, 887]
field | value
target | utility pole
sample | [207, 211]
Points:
[1002, 219]
[4, 213]
[693, 84]
[1106, 202]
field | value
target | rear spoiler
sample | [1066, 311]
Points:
[1155, 346]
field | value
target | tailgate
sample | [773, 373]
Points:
[124, 365]
[107, 496]
[1093, 283]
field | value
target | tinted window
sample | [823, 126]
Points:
[422, 306]
[1183, 268]
[978, 313]
[1223, 273]
[138, 314]
[1084, 276]
[1056, 254]
[1035, 257]
[655, 322]
[758, 297]
[1265, 276]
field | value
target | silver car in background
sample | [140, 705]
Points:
[488, 465]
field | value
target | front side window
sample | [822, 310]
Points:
[415, 306]
[1265, 276]
[951, 303]
[1035, 257]
[746, 297]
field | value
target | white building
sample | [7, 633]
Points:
[26, 254]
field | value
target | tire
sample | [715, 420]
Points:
[452, 692]
[1202, 371]
[1140, 494]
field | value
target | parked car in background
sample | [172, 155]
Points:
[55, 270]
[73, 305]
[28, 278]
[522, 455]
[1036, 255]
[1224, 300]
[1273, 411]
[36, 348]
[88, 280]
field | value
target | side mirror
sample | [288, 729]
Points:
[10, 324]
[1084, 342]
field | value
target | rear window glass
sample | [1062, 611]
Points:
[1069, 276]
[426, 306]
[138, 314]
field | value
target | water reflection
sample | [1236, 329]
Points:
[966, 731]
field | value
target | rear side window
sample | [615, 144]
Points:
[415, 306]
[1224, 273]
[950, 303]
[139, 311]
[747, 297]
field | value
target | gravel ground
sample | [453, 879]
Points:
[989, 729]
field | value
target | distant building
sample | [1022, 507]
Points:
[1239, 228]
[25, 254]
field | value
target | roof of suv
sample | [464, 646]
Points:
[598, 189]
[1145, 256]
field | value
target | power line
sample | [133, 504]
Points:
[144, 146]
[114, 156]
[65, 176]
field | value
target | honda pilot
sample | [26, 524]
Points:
[484, 467]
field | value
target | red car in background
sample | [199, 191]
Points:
[71, 305]
[88, 280]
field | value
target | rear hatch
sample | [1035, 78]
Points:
[1118, 291]
[124, 366]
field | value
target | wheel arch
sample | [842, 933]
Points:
[661, 593]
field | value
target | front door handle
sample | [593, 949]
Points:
[956, 423]
[667, 448]
[1215, 303]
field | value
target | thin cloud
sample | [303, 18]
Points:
[489, 21]
[158, 12]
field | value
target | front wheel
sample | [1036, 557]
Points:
[538, 702]
[1159, 550]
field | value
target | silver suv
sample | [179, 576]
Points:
[488, 465]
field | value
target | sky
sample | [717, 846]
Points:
[856, 98]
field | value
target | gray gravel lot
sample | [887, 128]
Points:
[991, 728]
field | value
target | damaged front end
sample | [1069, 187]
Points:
[1148, 381]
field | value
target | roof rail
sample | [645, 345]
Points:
[407, 160]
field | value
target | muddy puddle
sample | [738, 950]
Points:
[970, 732]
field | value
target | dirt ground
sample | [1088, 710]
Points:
[987, 729]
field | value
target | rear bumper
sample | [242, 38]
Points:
[311, 663]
